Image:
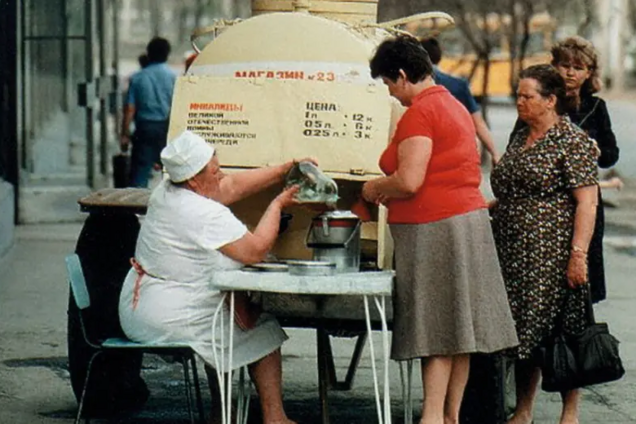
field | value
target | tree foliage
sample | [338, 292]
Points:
[165, 16]
[478, 19]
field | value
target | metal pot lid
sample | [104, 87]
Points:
[311, 264]
[267, 267]
[338, 214]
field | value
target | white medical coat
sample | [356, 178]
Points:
[178, 249]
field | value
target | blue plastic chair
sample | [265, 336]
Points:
[182, 352]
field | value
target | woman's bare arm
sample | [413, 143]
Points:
[413, 156]
[253, 247]
[586, 199]
[238, 186]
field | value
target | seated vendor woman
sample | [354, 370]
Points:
[188, 234]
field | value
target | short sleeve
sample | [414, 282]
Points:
[130, 94]
[413, 123]
[579, 162]
[466, 98]
[221, 227]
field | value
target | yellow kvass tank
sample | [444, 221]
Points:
[286, 85]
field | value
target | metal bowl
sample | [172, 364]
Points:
[311, 268]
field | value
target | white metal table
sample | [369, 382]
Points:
[376, 284]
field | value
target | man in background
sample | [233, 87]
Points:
[148, 106]
[460, 89]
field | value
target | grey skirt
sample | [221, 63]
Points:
[449, 296]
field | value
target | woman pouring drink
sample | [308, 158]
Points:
[188, 234]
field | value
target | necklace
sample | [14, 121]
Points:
[582, 121]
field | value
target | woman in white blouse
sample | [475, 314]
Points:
[188, 234]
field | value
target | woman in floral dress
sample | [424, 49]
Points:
[577, 61]
[543, 219]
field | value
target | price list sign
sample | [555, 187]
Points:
[219, 123]
[257, 122]
[320, 122]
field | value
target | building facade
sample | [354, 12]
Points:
[58, 70]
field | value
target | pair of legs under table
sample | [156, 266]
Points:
[266, 374]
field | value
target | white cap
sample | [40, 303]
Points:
[185, 156]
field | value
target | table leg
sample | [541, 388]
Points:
[353, 364]
[381, 306]
[224, 376]
[323, 377]
[384, 414]
[218, 354]
[323, 348]
[242, 408]
[230, 327]
[409, 394]
[325, 352]
[407, 387]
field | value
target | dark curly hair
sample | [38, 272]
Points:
[402, 52]
[434, 50]
[550, 83]
[158, 50]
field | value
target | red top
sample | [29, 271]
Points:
[451, 184]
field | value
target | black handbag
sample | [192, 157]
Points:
[121, 170]
[572, 361]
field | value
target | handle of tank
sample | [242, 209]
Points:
[447, 22]
[433, 16]
[302, 4]
[210, 29]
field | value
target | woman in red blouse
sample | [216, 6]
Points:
[450, 299]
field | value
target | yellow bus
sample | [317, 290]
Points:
[456, 61]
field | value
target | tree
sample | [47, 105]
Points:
[579, 12]
[518, 35]
[183, 14]
[156, 17]
[483, 22]
[392, 9]
[477, 20]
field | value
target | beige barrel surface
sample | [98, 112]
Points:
[345, 10]
[287, 37]
[290, 85]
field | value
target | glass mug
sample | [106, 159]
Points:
[314, 186]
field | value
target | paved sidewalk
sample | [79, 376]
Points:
[35, 384]
[34, 381]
